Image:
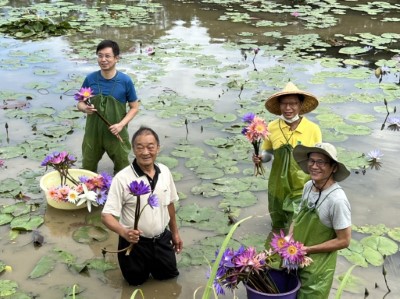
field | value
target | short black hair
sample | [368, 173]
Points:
[108, 44]
[143, 130]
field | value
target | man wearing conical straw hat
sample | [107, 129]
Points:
[290, 129]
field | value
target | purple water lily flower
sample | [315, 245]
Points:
[248, 117]
[137, 189]
[153, 201]
[107, 179]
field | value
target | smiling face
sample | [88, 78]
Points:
[106, 59]
[320, 168]
[145, 148]
[289, 105]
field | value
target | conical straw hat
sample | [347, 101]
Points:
[309, 104]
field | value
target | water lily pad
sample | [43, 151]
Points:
[187, 151]
[17, 209]
[205, 189]
[11, 152]
[26, 222]
[361, 118]
[208, 173]
[223, 118]
[64, 256]
[373, 257]
[7, 287]
[394, 233]
[383, 245]
[101, 264]
[228, 184]
[194, 213]
[378, 229]
[168, 161]
[88, 234]
[45, 265]
[241, 199]
[9, 185]
[354, 257]
[5, 218]
[353, 130]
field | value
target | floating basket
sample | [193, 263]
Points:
[53, 179]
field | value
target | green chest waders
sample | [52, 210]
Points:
[316, 279]
[285, 186]
[98, 139]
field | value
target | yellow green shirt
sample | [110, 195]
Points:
[307, 133]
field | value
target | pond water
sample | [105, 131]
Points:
[203, 56]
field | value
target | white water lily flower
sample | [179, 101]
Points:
[72, 196]
[89, 197]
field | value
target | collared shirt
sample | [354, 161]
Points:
[307, 133]
[121, 204]
[140, 172]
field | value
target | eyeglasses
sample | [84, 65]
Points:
[142, 148]
[290, 104]
[107, 56]
[319, 163]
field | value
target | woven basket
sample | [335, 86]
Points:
[52, 179]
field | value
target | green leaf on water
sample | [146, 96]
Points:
[45, 265]
[88, 234]
[7, 287]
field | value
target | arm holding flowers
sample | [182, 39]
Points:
[130, 235]
[342, 240]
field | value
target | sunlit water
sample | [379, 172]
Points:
[373, 196]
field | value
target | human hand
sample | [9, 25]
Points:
[131, 235]
[177, 243]
[88, 109]
[256, 159]
[115, 129]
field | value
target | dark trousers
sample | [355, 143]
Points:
[155, 257]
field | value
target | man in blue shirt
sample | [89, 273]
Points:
[112, 91]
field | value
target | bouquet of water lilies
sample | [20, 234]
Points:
[90, 190]
[252, 268]
[138, 190]
[255, 131]
[84, 95]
